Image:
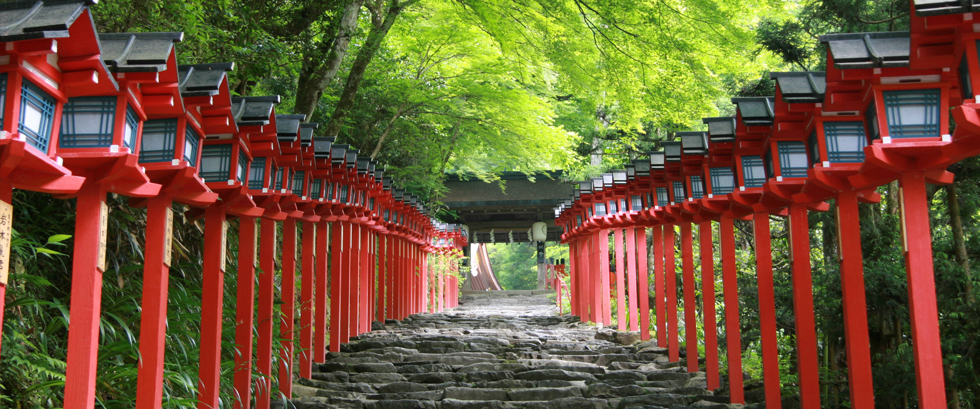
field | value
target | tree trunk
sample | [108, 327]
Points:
[364, 57]
[956, 220]
[317, 73]
[388, 128]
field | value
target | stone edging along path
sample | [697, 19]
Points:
[501, 351]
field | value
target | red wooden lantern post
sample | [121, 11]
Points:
[338, 278]
[224, 166]
[643, 191]
[909, 131]
[790, 153]
[300, 207]
[630, 206]
[669, 216]
[99, 139]
[317, 346]
[170, 153]
[660, 201]
[719, 183]
[694, 147]
[753, 122]
[32, 101]
[617, 192]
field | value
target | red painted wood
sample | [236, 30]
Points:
[352, 267]
[708, 299]
[922, 292]
[86, 300]
[673, 335]
[690, 308]
[244, 313]
[596, 277]
[264, 317]
[392, 273]
[288, 297]
[366, 277]
[336, 283]
[660, 287]
[644, 278]
[153, 319]
[440, 285]
[767, 310]
[806, 332]
[372, 267]
[588, 282]
[572, 280]
[605, 299]
[855, 307]
[382, 242]
[631, 278]
[213, 287]
[398, 292]
[320, 332]
[729, 279]
[306, 299]
[620, 280]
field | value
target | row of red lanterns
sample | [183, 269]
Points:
[86, 114]
[877, 115]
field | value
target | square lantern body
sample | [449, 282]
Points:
[170, 142]
[695, 185]
[96, 124]
[870, 72]
[908, 111]
[34, 108]
[750, 170]
[720, 181]
[38, 74]
[786, 159]
[225, 161]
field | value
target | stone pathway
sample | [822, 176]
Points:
[504, 350]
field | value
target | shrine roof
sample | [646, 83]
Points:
[138, 52]
[938, 7]
[755, 111]
[721, 129]
[28, 20]
[253, 111]
[801, 87]
[869, 50]
[203, 80]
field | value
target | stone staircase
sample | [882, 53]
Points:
[486, 354]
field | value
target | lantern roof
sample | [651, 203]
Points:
[203, 80]
[801, 87]
[755, 111]
[721, 129]
[138, 52]
[672, 150]
[306, 133]
[287, 127]
[253, 111]
[939, 7]
[657, 160]
[29, 20]
[694, 143]
[869, 50]
[321, 147]
[642, 167]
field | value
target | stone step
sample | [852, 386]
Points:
[483, 355]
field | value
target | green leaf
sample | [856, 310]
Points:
[58, 238]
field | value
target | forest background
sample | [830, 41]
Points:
[430, 87]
